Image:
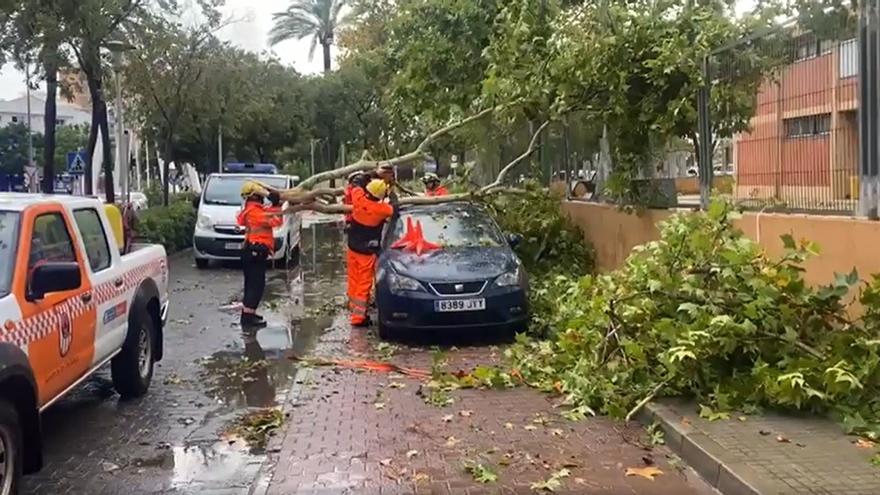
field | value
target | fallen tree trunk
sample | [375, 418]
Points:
[305, 198]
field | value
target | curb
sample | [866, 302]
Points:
[706, 456]
[295, 395]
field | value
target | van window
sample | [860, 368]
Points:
[94, 238]
[51, 240]
[8, 244]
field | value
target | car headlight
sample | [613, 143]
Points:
[510, 279]
[204, 221]
[399, 283]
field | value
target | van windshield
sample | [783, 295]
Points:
[226, 190]
[8, 242]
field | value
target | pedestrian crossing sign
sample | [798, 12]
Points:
[76, 162]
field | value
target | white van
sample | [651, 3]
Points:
[217, 235]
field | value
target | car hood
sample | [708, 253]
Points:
[220, 214]
[459, 264]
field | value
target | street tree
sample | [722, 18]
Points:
[318, 19]
[93, 24]
[164, 69]
[36, 33]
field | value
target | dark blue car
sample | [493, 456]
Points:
[474, 282]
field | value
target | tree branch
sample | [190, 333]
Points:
[516, 161]
[419, 153]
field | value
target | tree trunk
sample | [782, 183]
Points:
[169, 157]
[327, 60]
[51, 112]
[107, 158]
[92, 68]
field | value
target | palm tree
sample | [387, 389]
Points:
[316, 18]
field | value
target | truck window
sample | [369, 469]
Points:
[51, 240]
[94, 238]
[8, 244]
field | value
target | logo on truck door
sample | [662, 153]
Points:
[65, 334]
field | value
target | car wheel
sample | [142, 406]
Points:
[202, 263]
[132, 368]
[385, 332]
[11, 448]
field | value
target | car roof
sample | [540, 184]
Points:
[11, 201]
[252, 176]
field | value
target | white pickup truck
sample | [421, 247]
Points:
[70, 302]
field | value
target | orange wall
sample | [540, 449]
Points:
[845, 242]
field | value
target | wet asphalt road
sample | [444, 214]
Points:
[175, 440]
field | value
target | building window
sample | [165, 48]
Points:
[59, 122]
[14, 119]
[849, 59]
[810, 126]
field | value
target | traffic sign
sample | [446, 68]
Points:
[76, 162]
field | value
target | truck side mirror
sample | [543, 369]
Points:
[53, 276]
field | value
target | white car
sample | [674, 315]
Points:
[217, 235]
[139, 200]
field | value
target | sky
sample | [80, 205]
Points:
[251, 22]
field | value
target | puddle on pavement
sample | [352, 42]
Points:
[300, 306]
[255, 372]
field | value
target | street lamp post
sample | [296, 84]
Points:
[117, 48]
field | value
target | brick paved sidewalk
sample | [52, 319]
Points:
[769, 454]
[361, 432]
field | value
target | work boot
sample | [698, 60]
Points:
[251, 320]
[366, 322]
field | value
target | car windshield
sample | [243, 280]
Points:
[8, 238]
[226, 190]
[453, 228]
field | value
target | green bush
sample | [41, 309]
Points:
[171, 226]
[552, 246]
[704, 312]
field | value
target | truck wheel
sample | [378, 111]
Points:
[132, 368]
[11, 448]
[202, 263]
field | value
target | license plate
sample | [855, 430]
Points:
[233, 246]
[456, 305]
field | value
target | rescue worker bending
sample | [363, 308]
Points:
[433, 186]
[259, 222]
[364, 244]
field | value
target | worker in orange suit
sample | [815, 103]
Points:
[259, 221]
[356, 183]
[433, 187]
[368, 216]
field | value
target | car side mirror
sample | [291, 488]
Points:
[53, 277]
[514, 240]
[196, 201]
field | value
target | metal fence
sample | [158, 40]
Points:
[800, 147]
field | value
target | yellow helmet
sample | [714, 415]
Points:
[251, 188]
[378, 188]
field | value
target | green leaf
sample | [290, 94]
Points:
[788, 242]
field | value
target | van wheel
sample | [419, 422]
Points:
[202, 263]
[132, 368]
[11, 448]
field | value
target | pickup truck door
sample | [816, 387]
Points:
[105, 272]
[59, 329]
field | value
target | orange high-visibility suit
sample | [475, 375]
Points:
[259, 242]
[346, 199]
[437, 191]
[364, 243]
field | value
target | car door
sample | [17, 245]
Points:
[105, 274]
[59, 330]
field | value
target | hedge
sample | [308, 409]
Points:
[171, 226]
